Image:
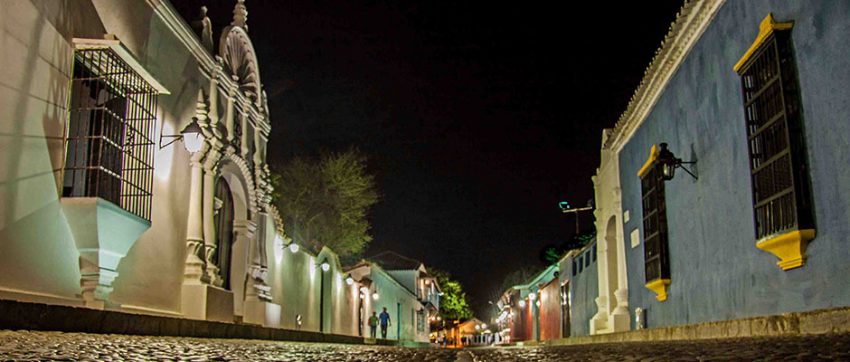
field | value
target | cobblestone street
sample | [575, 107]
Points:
[28, 346]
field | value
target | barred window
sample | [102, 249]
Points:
[656, 259]
[109, 151]
[779, 174]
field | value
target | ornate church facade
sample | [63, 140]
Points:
[133, 175]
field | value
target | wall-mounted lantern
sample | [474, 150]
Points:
[192, 136]
[669, 163]
[325, 266]
[349, 280]
[293, 247]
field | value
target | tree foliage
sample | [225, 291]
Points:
[326, 202]
[518, 277]
[453, 303]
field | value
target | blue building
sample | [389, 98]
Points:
[719, 194]
[579, 289]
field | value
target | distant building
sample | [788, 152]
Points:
[402, 286]
[578, 291]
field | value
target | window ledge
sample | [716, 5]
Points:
[659, 286]
[790, 247]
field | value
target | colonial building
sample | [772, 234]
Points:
[390, 290]
[720, 189]
[133, 176]
[102, 205]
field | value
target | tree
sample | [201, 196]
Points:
[518, 277]
[453, 302]
[326, 202]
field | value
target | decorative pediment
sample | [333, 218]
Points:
[237, 52]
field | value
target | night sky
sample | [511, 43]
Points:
[477, 117]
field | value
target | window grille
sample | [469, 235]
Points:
[781, 193]
[656, 259]
[109, 151]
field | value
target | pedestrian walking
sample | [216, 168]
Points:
[373, 324]
[385, 322]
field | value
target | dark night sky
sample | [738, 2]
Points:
[477, 117]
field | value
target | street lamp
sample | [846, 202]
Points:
[293, 247]
[522, 303]
[349, 280]
[375, 296]
[532, 296]
[669, 163]
[325, 266]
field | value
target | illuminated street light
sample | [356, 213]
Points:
[349, 280]
[293, 247]
[375, 296]
[532, 296]
[326, 266]
[522, 304]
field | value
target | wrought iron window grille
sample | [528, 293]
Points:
[109, 146]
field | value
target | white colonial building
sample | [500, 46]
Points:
[133, 164]
[133, 172]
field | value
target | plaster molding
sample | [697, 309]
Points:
[247, 175]
[692, 20]
[207, 61]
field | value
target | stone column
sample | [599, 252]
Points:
[210, 244]
[246, 147]
[256, 287]
[228, 119]
[194, 271]
[258, 307]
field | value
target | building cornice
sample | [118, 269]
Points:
[690, 23]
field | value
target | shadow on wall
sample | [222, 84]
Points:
[29, 179]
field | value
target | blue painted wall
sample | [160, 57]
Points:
[717, 272]
[583, 289]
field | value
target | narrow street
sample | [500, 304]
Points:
[28, 346]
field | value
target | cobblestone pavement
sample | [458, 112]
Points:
[834, 347]
[31, 346]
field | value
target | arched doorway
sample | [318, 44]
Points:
[224, 216]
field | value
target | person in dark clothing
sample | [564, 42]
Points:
[385, 322]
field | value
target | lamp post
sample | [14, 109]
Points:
[566, 209]
[325, 267]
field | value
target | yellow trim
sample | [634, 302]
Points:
[659, 286]
[766, 28]
[653, 154]
[790, 247]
